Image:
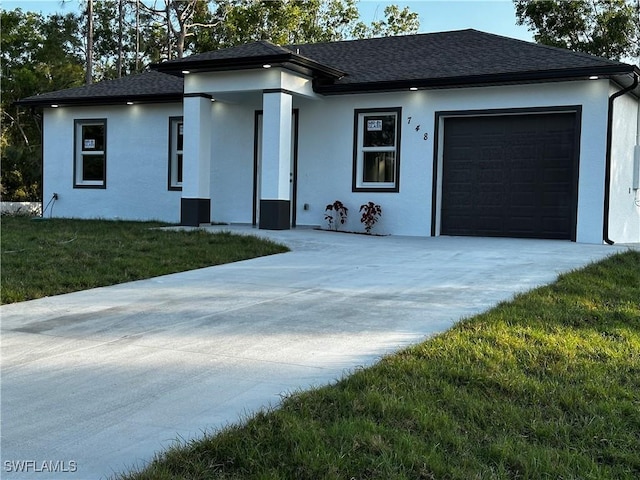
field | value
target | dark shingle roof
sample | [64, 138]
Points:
[262, 48]
[144, 87]
[439, 55]
[441, 58]
[433, 60]
[457, 58]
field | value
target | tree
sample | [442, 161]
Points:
[179, 19]
[117, 37]
[303, 21]
[396, 22]
[38, 55]
[89, 44]
[607, 28]
[129, 34]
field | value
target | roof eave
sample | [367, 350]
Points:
[607, 71]
[290, 61]
[100, 100]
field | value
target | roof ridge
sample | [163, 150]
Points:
[273, 46]
[354, 40]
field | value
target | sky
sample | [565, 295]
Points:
[493, 16]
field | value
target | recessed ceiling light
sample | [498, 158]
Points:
[413, 89]
[594, 77]
[53, 105]
[266, 65]
[129, 103]
[186, 72]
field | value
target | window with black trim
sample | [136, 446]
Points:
[176, 142]
[376, 158]
[90, 167]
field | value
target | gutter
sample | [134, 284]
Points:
[607, 174]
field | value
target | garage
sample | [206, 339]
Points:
[510, 175]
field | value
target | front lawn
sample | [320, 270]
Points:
[54, 256]
[546, 386]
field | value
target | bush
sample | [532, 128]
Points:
[340, 214]
[371, 213]
[20, 180]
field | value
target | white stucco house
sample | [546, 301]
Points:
[453, 133]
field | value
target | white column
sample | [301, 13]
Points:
[196, 168]
[275, 171]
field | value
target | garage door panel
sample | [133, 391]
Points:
[556, 175]
[492, 198]
[490, 224]
[456, 221]
[510, 175]
[521, 199]
[462, 199]
[557, 200]
[554, 228]
[490, 175]
[463, 176]
[522, 226]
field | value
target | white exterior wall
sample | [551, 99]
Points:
[326, 151]
[137, 163]
[624, 201]
[137, 156]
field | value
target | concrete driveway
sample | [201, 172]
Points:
[95, 382]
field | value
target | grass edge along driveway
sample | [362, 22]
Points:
[544, 386]
[54, 256]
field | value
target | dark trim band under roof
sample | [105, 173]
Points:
[253, 55]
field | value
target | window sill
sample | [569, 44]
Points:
[99, 186]
[368, 188]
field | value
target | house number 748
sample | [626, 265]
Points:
[425, 136]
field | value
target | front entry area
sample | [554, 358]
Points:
[510, 175]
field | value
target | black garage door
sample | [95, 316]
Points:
[510, 176]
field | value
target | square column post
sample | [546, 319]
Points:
[275, 175]
[195, 204]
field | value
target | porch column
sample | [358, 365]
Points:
[275, 201]
[195, 205]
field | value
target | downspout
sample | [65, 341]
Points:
[607, 173]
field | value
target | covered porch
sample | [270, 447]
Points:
[266, 83]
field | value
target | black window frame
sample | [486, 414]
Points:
[358, 184]
[78, 154]
[172, 183]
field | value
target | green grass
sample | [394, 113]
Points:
[546, 386]
[50, 257]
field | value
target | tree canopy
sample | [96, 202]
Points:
[607, 28]
[38, 54]
[46, 53]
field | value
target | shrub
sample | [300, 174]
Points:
[338, 214]
[371, 213]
